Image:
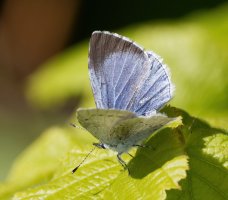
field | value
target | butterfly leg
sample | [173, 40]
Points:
[121, 161]
[130, 155]
[143, 146]
[138, 145]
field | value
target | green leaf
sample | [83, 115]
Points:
[37, 164]
[153, 185]
[207, 149]
[217, 147]
[187, 162]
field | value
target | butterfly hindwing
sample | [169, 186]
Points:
[133, 131]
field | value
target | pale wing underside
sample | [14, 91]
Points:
[99, 122]
[125, 77]
[133, 131]
[116, 66]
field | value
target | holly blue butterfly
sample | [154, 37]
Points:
[130, 85]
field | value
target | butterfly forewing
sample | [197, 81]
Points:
[125, 77]
[116, 68]
[99, 121]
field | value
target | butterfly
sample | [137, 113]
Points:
[130, 85]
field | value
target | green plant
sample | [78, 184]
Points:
[193, 153]
[186, 162]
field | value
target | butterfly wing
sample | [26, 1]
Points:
[157, 89]
[124, 76]
[99, 122]
[116, 66]
[132, 131]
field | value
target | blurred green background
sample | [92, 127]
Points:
[44, 51]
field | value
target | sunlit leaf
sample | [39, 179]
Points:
[207, 177]
[183, 162]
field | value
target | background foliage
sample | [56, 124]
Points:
[187, 162]
[198, 65]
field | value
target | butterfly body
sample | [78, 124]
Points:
[130, 86]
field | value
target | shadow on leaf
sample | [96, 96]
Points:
[168, 143]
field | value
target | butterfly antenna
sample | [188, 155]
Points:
[75, 169]
[76, 126]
